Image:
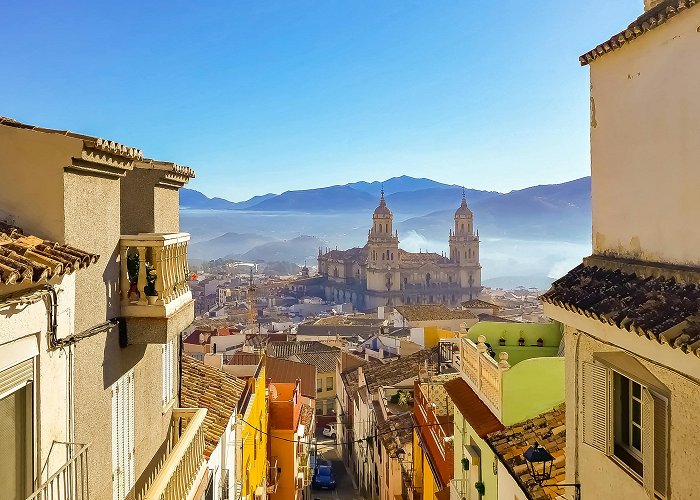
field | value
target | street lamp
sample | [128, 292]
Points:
[539, 463]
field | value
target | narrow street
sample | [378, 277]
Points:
[344, 489]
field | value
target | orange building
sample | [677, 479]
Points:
[291, 429]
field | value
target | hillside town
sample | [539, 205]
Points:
[373, 373]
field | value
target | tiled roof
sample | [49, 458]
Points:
[96, 142]
[357, 254]
[29, 259]
[324, 361]
[480, 304]
[472, 407]
[549, 430]
[393, 372]
[169, 166]
[432, 312]
[285, 349]
[204, 386]
[396, 432]
[306, 417]
[420, 257]
[655, 307]
[495, 319]
[648, 21]
[287, 371]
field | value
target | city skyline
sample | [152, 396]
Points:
[296, 95]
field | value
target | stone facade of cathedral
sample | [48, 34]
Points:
[382, 274]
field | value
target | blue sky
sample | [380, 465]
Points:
[267, 96]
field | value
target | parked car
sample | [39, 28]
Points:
[329, 431]
[323, 478]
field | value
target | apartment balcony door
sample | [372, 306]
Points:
[16, 431]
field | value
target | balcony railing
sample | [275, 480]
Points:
[184, 462]
[164, 255]
[272, 476]
[70, 482]
[458, 488]
[484, 373]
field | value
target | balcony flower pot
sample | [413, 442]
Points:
[150, 288]
[540, 342]
[480, 488]
[521, 341]
[134, 293]
[465, 464]
[151, 299]
[501, 341]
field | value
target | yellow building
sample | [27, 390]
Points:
[253, 442]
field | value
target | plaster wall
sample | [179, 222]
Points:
[644, 146]
[464, 435]
[23, 329]
[32, 193]
[285, 452]
[92, 222]
[598, 473]
[508, 488]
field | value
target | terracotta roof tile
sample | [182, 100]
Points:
[432, 312]
[396, 432]
[480, 304]
[549, 430]
[29, 259]
[472, 407]
[393, 372]
[285, 349]
[654, 307]
[324, 361]
[648, 21]
[281, 370]
[204, 386]
[421, 257]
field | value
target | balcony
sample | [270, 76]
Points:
[155, 296]
[272, 476]
[183, 464]
[70, 482]
[503, 388]
[458, 488]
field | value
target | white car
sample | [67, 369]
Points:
[329, 431]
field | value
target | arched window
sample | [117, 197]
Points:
[392, 255]
[382, 255]
[380, 228]
[386, 228]
[470, 253]
[427, 279]
[335, 272]
[387, 255]
[462, 227]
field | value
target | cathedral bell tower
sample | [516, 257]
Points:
[464, 248]
[382, 251]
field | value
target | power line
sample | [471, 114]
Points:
[341, 442]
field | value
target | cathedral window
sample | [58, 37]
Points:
[427, 280]
[470, 253]
[462, 227]
[382, 255]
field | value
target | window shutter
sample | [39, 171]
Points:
[596, 421]
[648, 442]
[129, 475]
[660, 444]
[116, 442]
[16, 376]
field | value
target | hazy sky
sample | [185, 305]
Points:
[263, 96]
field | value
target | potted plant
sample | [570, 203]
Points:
[480, 488]
[540, 342]
[465, 464]
[502, 341]
[521, 341]
[132, 271]
[150, 288]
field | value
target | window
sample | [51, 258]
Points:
[16, 429]
[168, 359]
[123, 436]
[319, 385]
[329, 383]
[626, 417]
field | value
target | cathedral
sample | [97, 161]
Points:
[382, 274]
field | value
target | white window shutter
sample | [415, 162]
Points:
[596, 409]
[648, 442]
[129, 476]
[116, 431]
[660, 444]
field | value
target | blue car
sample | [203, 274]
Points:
[323, 478]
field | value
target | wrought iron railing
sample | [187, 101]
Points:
[70, 481]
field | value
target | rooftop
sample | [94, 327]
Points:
[472, 408]
[653, 18]
[285, 349]
[324, 361]
[480, 304]
[280, 370]
[432, 312]
[393, 372]
[549, 430]
[397, 432]
[30, 259]
[655, 307]
[422, 257]
[204, 386]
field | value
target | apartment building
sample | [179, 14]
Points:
[631, 309]
[107, 199]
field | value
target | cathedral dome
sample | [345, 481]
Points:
[463, 211]
[382, 210]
